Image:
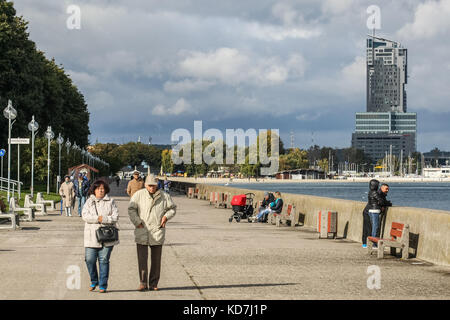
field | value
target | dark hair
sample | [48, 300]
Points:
[97, 184]
[384, 184]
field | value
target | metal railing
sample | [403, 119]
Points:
[16, 185]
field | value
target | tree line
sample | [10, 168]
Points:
[39, 87]
[36, 85]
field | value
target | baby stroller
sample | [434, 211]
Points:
[242, 207]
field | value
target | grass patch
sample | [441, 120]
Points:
[52, 196]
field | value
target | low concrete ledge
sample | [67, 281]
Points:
[429, 229]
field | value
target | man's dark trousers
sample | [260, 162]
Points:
[155, 268]
[367, 225]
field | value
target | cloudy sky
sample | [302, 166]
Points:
[149, 67]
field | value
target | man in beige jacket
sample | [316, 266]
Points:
[149, 210]
[135, 184]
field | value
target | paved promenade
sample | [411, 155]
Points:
[206, 257]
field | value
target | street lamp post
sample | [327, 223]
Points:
[83, 154]
[33, 126]
[49, 135]
[59, 141]
[68, 144]
[10, 113]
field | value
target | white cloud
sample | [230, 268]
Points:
[187, 85]
[180, 107]
[353, 76]
[279, 33]
[430, 19]
[83, 79]
[233, 67]
[337, 6]
[309, 116]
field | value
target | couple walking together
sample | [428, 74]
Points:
[149, 210]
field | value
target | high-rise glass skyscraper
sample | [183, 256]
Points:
[387, 75]
[386, 125]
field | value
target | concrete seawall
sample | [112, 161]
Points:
[429, 229]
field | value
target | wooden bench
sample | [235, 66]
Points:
[40, 199]
[196, 193]
[399, 239]
[229, 197]
[14, 221]
[221, 200]
[213, 197]
[27, 212]
[39, 207]
[289, 213]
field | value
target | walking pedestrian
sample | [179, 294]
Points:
[99, 210]
[167, 185]
[67, 192]
[81, 191]
[149, 210]
[135, 184]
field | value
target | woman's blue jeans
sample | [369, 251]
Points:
[375, 220]
[102, 255]
[263, 214]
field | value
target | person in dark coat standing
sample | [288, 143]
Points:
[81, 186]
[383, 191]
[374, 205]
[367, 226]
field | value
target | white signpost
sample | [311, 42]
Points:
[2, 154]
[19, 141]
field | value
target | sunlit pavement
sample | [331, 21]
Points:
[206, 257]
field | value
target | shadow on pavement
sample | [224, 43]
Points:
[250, 285]
[244, 285]
[31, 228]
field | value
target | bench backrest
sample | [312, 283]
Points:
[399, 231]
[12, 203]
[39, 197]
[27, 201]
[289, 209]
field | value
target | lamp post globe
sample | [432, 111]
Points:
[9, 113]
[68, 144]
[59, 141]
[33, 126]
[49, 135]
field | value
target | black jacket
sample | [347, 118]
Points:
[384, 202]
[278, 205]
[265, 202]
[374, 199]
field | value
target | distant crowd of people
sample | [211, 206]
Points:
[74, 190]
[137, 183]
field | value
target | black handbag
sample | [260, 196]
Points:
[106, 233]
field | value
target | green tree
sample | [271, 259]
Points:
[295, 159]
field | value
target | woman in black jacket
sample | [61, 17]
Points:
[374, 204]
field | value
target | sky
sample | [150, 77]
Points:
[149, 67]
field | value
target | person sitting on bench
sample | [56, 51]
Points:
[274, 207]
[268, 199]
